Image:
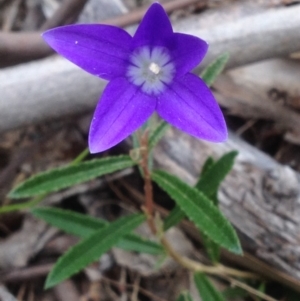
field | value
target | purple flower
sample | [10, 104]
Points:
[147, 72]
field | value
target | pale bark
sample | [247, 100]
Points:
[268, 90]
[52, 88]
[260, 196]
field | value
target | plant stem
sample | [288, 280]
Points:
[80, 157]
[199, 267]
[149, 204]
[219, 270]
[250, 289]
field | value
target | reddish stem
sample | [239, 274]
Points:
[149, 204]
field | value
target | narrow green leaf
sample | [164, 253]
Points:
[233, 293]
[261, 289]
[211, 72]
[160, 261]
[213, 173]
[132, 242]
[206, 289]
[91, 248]
[211, 180]
[209, 162]
[158, 133]
[174, 217]
[135, 140]
[67, 176]
[71, 222]
[23, 205]
[200, 210]
[36, 200]
[212, 249]
[83, 226]
[184, 296]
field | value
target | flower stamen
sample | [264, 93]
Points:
[151, 69]
[154, 68]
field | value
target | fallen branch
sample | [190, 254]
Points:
[67, 13]
[58, 88]
[235, 94]
[18, 47]
[269, 34]
[136, 15]
[260, 196]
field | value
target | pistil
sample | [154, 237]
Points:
[151, 69]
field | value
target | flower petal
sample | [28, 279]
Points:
[122, 109]
[102, 50]
[155, 28]
[190, 106]
[187, 52]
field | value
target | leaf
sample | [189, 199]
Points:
[262, 289]
[206, 289]
[184, 296]
[211, 72]
[209, 162]
[132, 242]
[33, 202]
[174, 217]
[70, 222]
[67, 176]
[213, 173]
[176, 214]
[212, 178]
[91, 248]
[83, 226]
[233, 293]
[158, 133]
[21, 206]
[200, 210]
[212, 249]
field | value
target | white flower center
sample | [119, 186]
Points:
[151, 69]
[154, 68]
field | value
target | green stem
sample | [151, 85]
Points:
[196, 266]
[80, 157]
[149, 204]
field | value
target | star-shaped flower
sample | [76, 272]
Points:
[147, 72]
